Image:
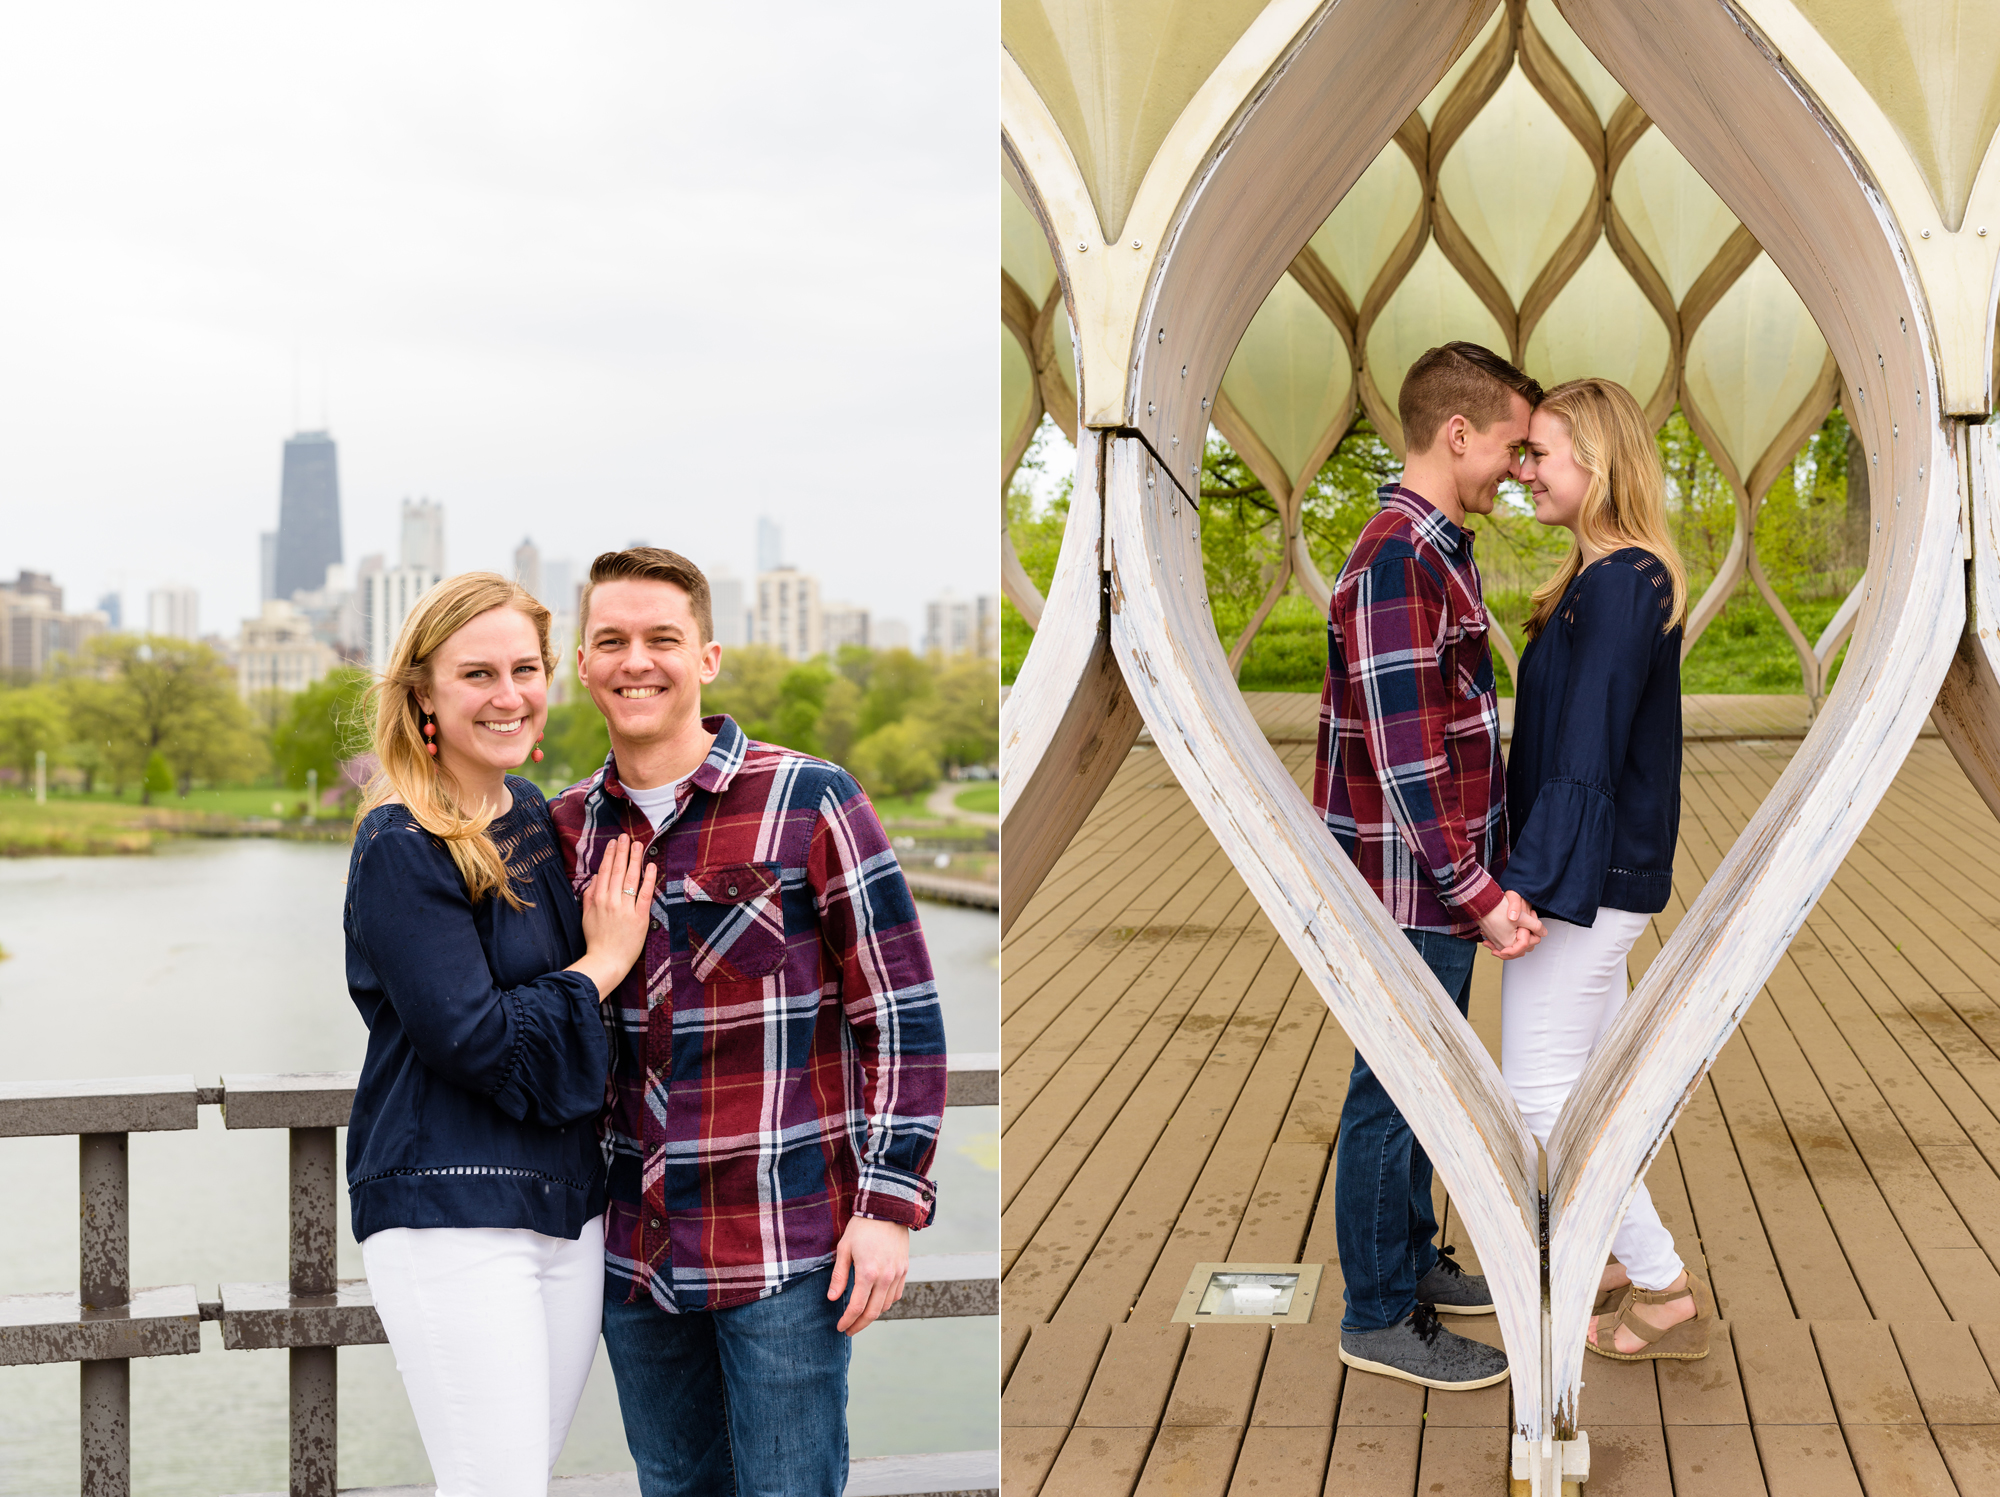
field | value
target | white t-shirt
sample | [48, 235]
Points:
[657, 801]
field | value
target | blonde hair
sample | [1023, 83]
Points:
[408, 771]
[1626, 503]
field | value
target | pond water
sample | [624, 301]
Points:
[213, 957]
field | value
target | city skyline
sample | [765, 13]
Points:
[392, 256]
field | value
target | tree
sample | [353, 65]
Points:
[575, 741]
[320, 728]
[895, 760]
[178, 699]
[899, 683]
[32, 721]
[750, 688]
[962, 721]
[103, 740]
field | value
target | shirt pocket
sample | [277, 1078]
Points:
[735, 921]
[1468, 655]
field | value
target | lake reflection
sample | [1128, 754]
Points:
[214, 957]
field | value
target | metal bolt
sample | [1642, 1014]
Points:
[1082, 249]
[1183, 371]
[1149, 480]
[1163, 335]
[1875, 458]
[1899, 501]
[1149, 407]
[1894, 431]
[1904, 325]
[1175, 440]
[1927, 233]
[1135, 244]
[1982, 231]
[1204, 402]
[1878, 527]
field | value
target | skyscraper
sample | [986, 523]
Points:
[528, 570]
[423, 535]
[267, 566]
[770, 547]
[174, 612]
[308, 515]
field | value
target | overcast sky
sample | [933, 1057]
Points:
[588, 273]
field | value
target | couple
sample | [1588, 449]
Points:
[662, 1058]
[1410, 783]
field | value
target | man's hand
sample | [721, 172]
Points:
[1511, 928]
[879, 1254]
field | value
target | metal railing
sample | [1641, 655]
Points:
[106, 1322]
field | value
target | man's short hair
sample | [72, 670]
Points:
[1458, 379]
[650, 564]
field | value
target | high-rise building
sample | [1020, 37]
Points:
[174, 611]
[559, 580]
[33, 627]
[843, 624]
[962, 626]
[391, 594]
[267, 565]
[787, 613]
[889, 634]
[528, 569]
[726, 604]
[278, 651]
[770, 545]
[113, 608]
[308, 515]
[423, 536]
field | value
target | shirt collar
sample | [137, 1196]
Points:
[713, 774]
[1429, 520]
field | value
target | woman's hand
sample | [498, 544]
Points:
[617, 912]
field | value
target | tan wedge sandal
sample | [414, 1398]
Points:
[1685, 1342]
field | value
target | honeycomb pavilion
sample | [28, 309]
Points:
[1250, 219]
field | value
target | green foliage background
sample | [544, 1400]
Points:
[1811, 541]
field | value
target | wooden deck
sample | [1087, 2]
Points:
[1170, 1095]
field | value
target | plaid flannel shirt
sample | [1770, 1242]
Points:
[1409, 776]
[779, 1060]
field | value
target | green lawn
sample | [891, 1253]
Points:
[983, 799]
[904, 808]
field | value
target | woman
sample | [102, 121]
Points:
[1593, 795]
[473, 1164]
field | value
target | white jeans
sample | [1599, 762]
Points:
[494, 1330]
[1556, 1004]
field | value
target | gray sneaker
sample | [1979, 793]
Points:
[1418, 1349]
[1450, 1290]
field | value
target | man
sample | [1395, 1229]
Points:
[778, 1071]
[1410, 782]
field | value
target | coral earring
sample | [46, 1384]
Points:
[537, 754]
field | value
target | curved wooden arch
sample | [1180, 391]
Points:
[1305, 129]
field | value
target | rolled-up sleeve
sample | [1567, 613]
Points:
[537, 1051]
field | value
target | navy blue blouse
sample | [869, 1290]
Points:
[486, 1063]
[1594, 773]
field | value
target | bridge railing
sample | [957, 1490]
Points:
[106, 1322]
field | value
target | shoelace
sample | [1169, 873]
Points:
[1448, 1263]
[1426, 1324]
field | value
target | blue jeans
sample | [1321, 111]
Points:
[1382, 1218]
[745, 1402]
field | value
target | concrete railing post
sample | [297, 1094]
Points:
[104, 1282]
[315, 1369]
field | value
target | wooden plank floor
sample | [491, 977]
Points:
[1171, 1094]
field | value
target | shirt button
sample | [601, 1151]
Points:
[656, 925]
[656, 1222]
[732, 891]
